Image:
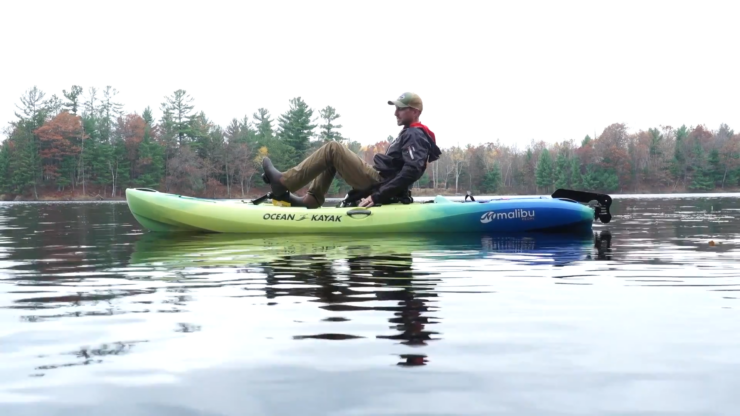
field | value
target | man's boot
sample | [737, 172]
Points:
[272, 176]
[307, 201]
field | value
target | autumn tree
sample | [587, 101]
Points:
[59, 141]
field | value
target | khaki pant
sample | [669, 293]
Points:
[321, 166]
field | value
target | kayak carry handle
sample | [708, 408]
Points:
[365, 212]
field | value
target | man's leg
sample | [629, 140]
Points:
[318, 187]
[319, 170]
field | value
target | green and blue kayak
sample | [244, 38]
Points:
[563, 211]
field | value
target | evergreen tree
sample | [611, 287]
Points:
[562, 171]
[53, 106]
[24, 165]
[73, 99]
[151, 160]
[329, 131]
[702, 177]
[492, 179]
[247, 134]
[576, 180]
[589, 180]
[108, 113]
[715, 168]
[263, 123]
[296, 129]
[179, 107]
[655, 140]
[678, 164]
[5, 167]
[544, 173]
[606, 180]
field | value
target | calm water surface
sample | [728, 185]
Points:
[640, 317]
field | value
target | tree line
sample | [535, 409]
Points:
[84, 144]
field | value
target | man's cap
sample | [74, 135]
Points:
[408, 99]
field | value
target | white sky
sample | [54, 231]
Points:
[508, 70]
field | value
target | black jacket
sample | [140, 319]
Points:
[404, 162]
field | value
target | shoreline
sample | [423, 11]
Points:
[423, 195]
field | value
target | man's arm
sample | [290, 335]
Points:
[415, 151]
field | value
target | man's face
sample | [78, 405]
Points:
[405, 115]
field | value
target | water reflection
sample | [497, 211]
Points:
[397, 274]
[190, 252]
[146, 318]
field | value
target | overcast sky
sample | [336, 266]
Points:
[486, 70]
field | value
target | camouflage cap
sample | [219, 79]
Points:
[408, 99]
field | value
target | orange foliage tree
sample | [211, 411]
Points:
[59, 145]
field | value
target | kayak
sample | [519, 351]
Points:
[563, 211]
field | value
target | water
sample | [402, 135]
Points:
[639, 317]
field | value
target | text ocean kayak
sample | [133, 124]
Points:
[562, 212]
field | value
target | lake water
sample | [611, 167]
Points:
[640, 317]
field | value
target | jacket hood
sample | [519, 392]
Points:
[435, 151]
[426, 130]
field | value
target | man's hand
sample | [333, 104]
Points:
[367, 202]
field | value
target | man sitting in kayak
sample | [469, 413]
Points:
[389, 179]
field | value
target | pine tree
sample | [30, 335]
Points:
[715, 168]
[576, 179]
[607, 180]
[589, 181]
[5, 155]
[492, 179]
[73, 99]
[678, 164]
[329, 131]
[544, 178]
[151, 160]
[24, 165]
[296, 129]
[179, 106]
[108, 113]
[562, 171]
[263, 123]
[702, 178]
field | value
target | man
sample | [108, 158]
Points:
[389, 179]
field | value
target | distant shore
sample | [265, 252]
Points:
[256, 193]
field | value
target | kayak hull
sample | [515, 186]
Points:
[164, 212]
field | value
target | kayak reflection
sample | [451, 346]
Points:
[395, 274]
[230, 250]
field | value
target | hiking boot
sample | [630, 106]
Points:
[273, 177]
[307, 201]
